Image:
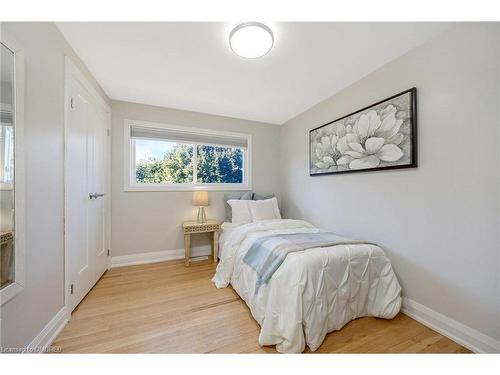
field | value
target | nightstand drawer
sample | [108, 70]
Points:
[201, 228]
[194, 227]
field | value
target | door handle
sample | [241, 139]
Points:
[95, 195]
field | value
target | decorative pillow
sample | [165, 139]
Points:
[240, 212]
[243, 196]
[257, 197]
[265, 209]
[262, 210]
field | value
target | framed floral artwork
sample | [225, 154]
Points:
[380, 136]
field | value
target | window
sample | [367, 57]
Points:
[167, 157]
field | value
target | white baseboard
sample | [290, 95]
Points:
[466, 336]
[49, 333]
[156, 256]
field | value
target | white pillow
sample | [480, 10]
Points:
[266, 209]
[241, 213]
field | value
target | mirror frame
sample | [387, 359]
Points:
[19, 282]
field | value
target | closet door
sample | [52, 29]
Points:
[86, 191]
[98, 160]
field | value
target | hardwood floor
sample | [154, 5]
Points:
[167, 308]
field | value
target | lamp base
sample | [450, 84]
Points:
[202, 218]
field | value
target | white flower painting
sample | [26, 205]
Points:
[382, 136]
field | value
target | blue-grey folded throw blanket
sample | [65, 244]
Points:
[267, 253]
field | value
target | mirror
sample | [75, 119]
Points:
[7, 133]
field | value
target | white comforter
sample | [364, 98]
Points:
[314, 291]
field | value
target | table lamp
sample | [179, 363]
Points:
[200, 199]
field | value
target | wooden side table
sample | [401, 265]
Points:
[192, 227]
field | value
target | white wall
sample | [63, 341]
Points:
[439, 223]
[152, 221]
[23, 317]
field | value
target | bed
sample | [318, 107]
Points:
[313, 291]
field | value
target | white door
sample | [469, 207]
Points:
[98, 183]
[86, 191]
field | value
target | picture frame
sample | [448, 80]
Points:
[381, 136]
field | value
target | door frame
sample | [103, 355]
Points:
[72, 72]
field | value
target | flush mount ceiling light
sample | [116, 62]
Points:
[251, 39]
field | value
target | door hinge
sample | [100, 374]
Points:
[107, 132]
[71, 103]
[71, 289]
[108, 252]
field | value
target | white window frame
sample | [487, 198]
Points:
[17, 286]
[130, 183]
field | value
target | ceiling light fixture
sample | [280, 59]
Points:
[251, 39]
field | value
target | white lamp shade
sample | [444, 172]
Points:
[200, 198]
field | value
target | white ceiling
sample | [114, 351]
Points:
[189, 65]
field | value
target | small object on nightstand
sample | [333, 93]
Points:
[200, 199]
[192, 227]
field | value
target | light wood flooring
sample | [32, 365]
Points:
[167, 308]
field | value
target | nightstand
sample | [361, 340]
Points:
[193, 227]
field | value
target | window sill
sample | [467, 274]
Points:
[229, 187]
